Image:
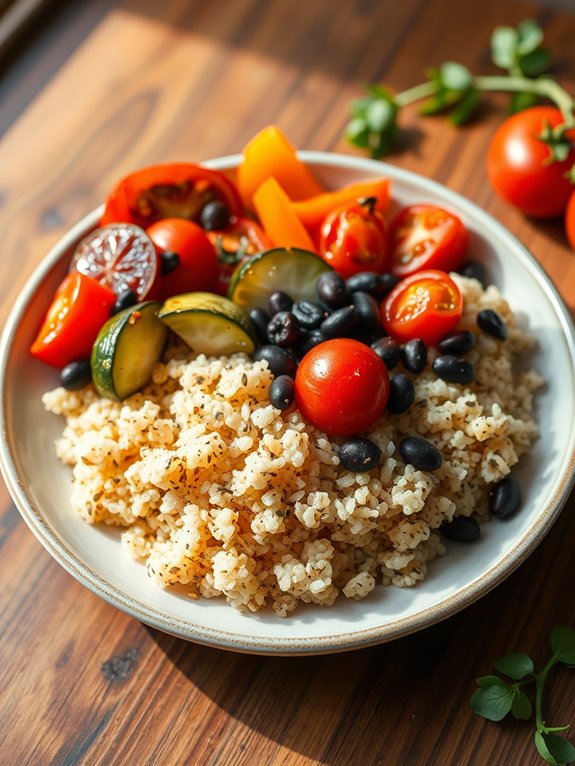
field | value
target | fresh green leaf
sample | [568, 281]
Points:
[559, 748]
[440, 102]
[466, 107]
[529, 36]
[357, 133]
[543, 750]
[504, 41]
[493, 702]
[455, 76]
[380, 115]
[379, 92]
[535, 63]
[520, 101]
[521, 706]
[484, 681]
[359, 106]
[516, 666]
[563, 644]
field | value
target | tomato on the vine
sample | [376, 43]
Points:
[179, 190]
[198, 264]
[570, 220]
[353, 238]
[520, 166]
[80, 307]
[341, 386]
[426, 305]
[426, 237]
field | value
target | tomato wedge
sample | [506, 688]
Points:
[179, 190]
[426, 305]
[235, 244]
[120, 256]
[426, 237]
[79, 309]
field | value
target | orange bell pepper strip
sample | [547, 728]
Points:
[279, 221]
[270, 154]
[312, 212]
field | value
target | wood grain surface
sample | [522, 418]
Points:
[100, 88]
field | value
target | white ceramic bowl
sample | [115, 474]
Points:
[40, 485]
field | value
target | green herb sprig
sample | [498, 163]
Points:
[494, 698]
[454, 90]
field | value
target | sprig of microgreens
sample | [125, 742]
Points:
[494, 698]
[453, 89]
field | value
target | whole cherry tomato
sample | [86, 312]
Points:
[570, 220]
[236, 243]
[341, 386]
[519, 163]
[80, 307]
[179, 190]
[426, 237]
[353, 238]
[426, 305]
[198, 262]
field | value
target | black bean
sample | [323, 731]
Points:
[359, 455]
[309, 314]
[283, 329]
[124, 300]
[367, 310]
[463, 529]
[401, 394]
[492, 323]
[474, 270]
[505, 498]
[261, 319]
[280, 361]
[330, 288]
[215, 216]
[459, 342]
[169, 261]
[341, 322]
[377, 285]
[76, 375]
[388, 350]
[279, 301]
[420, 453]
[453, 369]
[282, 392]
[310, 340]
[414, 355]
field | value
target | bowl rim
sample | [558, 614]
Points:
[338, 641]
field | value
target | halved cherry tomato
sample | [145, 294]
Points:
[426, 305]
[178, 190]
[79, 309]
[341, 386]
[198, 262]
[426, 237]
[519, 163]
[354, 238]
[121, 256]
[235, 244]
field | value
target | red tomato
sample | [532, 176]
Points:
[519, 167]
[353, 238]
[178, 190]
[341, 386]
[426, 237]
[236, 243]
[426, 305]
[570, 220]
[120, 256]
[79, 309]
[198, 267]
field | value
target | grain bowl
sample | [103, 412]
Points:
[371, 613]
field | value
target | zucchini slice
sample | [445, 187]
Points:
[126, 350]
[210, 324]
[289, 269]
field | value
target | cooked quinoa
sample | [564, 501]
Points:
[219, 491]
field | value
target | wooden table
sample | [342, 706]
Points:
[99, 88]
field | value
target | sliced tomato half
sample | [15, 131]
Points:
[120, 256]
[177, 190]
[235, 244]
